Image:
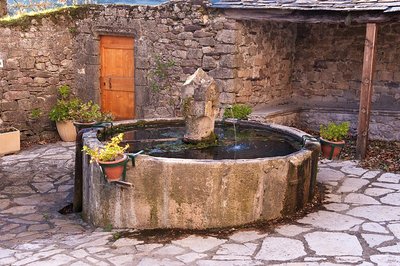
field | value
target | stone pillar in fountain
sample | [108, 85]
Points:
[200, 107]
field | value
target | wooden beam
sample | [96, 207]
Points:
[367, 80]
[306, 16]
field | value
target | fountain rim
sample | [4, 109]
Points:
[91, 139]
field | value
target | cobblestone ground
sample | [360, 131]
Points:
[361, 223]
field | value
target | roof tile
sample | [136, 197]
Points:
[332, 5]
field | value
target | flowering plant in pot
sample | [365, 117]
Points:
[62, 113]
[332, 138]
[111, 157]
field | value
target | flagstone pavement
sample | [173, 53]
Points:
[360, 224]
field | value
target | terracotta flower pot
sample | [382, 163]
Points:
[114, 170]
[331, 149]
[66, 130]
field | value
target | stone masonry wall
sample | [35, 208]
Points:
[37, 59]
[190, 35]
[328, 65]
[46, 51]
[265, 61]
[259, 63]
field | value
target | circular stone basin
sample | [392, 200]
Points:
[262, 174]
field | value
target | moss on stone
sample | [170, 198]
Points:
[55, 15]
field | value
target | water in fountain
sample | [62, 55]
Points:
[238, 142]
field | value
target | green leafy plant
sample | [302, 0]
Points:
[116, 236]
[238, 111]
[64, 91]
[66, 105]
[159, 75]
[334, 132]
[106, 117]
[36, 113]
[87, 112]
[111, 151]
[108, 228]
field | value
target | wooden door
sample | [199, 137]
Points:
[117, 76]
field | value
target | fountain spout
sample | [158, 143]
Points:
[200, 107]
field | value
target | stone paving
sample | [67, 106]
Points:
[359, 226]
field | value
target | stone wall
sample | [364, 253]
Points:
[189, 35]
[265, 61]
[3, 8]
[328, 65]
[37, 55]
[251, 62]
[46, 51]
[259, 63]
[384, 125]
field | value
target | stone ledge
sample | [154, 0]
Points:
[382, 126]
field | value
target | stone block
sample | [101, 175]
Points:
[8, 106]
[192, 28]
[191, 63]
[229, 85]
[16, 95]
[24, 104]
[207, 41]
[194, 54]
[11, 63]
[209, 63]
[226, 36]
[27, 63]
[225, 49]
[13, 116]
[141, 78]
[227, 98]
[228, 61]
[223, 73]
[202, 34]
[185, 35]
[180, 54]
[39, 80]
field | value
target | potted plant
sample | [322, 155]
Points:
[332, 138]
[111, 158]
[86, 115]
[9, 140]
[62, 113]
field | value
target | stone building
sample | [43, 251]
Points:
[286, 64]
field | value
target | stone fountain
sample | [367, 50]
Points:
[180, 185]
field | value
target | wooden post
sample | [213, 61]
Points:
[366, 89]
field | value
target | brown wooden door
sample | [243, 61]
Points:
[117, 76]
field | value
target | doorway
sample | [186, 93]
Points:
[117, 87]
